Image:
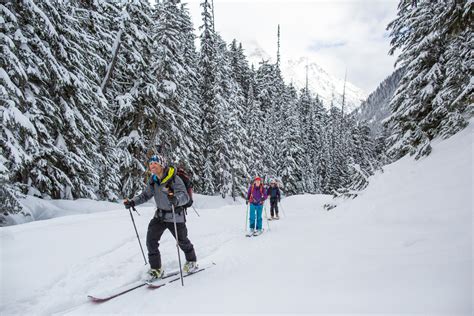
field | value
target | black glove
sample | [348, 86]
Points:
[247, 202]
[173, 200]
[189, 204]
[129, 203]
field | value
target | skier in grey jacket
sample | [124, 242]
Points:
[167, 189]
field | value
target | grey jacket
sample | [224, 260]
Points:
[160, 192]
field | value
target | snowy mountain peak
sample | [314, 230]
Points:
[320, 82]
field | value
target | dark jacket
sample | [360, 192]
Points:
[273, 193]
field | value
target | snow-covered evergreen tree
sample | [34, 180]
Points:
[290, 167]
[240, 68]
[316, 139]
[133, 94]
[361, 162]
[336, 168]
[174, 67]
[191, 100]
[209, 102]
[306, 126]
[434, 97]
[267, 89]
[58, 94]
[255, 139]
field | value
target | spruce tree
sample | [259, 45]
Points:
[290, 167]
[209, 107]
[433, 98]
[60, 94]
[133, 95]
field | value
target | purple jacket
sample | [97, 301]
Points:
[258, 195]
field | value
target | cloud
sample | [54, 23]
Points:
[337, 34]
[319, 45]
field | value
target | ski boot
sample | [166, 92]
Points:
[258, 232]
[190, 267]
[250, 233]
[155, 274]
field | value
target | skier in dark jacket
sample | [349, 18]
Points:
[274, 193]
[167, 189]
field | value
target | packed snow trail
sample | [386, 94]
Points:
[403, 246]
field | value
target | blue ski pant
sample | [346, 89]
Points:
[255, 215]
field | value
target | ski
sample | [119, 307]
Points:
[153, 285]
[99, 299]
[254, 234]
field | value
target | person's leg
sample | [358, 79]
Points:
[276, 208]
[155, 230]
[272, 207]
[183, 241]
[259, 209]
[252, 216]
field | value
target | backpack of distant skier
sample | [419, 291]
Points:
[188, 184]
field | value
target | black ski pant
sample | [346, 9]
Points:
[153, 236]
[273, 207]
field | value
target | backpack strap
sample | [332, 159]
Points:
[170, 176]
[251, 192]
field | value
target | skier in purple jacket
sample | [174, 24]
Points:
[256, 195]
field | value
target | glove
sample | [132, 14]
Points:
[189, 204]
[247, 202]
[279, 200]
[173, 200]
[129, 203]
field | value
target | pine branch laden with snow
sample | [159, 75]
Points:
[434, 97]
[10, 204]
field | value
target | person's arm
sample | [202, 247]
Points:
[248, 193]
[180, 191]
[145, 195]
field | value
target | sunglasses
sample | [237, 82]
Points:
[156, 159]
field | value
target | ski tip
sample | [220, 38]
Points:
[151, 285]
[94, 299]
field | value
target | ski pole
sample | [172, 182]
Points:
[195, 211]
[177, 243]
[282, 209]
[247, 218]
[266, 216]
[136, 231]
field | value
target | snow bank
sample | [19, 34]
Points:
[41, 209]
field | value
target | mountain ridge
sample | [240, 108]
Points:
[328, 87]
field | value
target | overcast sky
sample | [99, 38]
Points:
[334, 33]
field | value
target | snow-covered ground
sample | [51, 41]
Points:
[403, 246]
